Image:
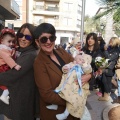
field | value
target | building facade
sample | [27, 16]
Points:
[22, 19]
[8, 11]
[65, 15]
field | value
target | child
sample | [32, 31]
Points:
[7, 42]
[71, 88]
[76, 46]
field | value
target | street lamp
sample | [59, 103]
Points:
[102, 27]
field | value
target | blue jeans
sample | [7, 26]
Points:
[118, 81]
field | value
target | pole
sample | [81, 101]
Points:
[82, 21]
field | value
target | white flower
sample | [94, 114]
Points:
[98, 59]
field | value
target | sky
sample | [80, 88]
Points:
[91, 7]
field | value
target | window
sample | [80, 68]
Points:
[67, 21]
[78, 22]
[19, 2]
[38, 19]
[80, 2]
[79, 8]
[68, 6]
[51, 20]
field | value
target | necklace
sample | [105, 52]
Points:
[90, 51]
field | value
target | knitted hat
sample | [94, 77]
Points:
[76, 40]
[5, 31]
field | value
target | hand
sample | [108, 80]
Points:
[17, 67]
[99, 71]
[76, 82]
[85, 78]
[105, 47]
[65, 69]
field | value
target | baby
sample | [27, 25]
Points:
[71, 89]
[7, 43]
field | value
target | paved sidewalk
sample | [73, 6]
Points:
[96, 107]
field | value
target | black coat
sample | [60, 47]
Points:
[112, 55]
[21, 86]
[94, 54]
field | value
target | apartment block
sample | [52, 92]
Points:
[9, 10]
[65, 15]
[23, 15]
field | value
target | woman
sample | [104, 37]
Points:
[92, 48]
[48, 71]
[21, 83]
[109, 72]
[101, 43]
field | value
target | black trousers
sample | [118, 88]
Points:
[106, 84]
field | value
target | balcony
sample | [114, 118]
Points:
[50, 0]
[15, 7]
[38, 7]
[9, 10]
[48, 10]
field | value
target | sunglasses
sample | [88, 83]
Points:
[45, 39]
[27, 37]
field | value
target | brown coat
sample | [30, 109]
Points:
[48, 77]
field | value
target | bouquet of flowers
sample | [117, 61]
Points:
[101, 62]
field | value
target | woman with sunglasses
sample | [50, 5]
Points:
[48, 71]
[21, 84]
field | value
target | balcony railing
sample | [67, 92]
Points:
[15, 7]
[48, 8]
[52, 9]
[38, 7]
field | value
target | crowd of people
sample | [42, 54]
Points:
[32, 68]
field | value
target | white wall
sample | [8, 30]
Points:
[60, 34]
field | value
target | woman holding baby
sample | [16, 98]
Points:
[48, 72]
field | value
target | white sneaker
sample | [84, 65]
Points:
[5, 99]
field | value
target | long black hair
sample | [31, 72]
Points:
[96, 45]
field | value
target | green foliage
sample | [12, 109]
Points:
[117, 28]
[91, 25]
[116, 15]
[110, 6]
